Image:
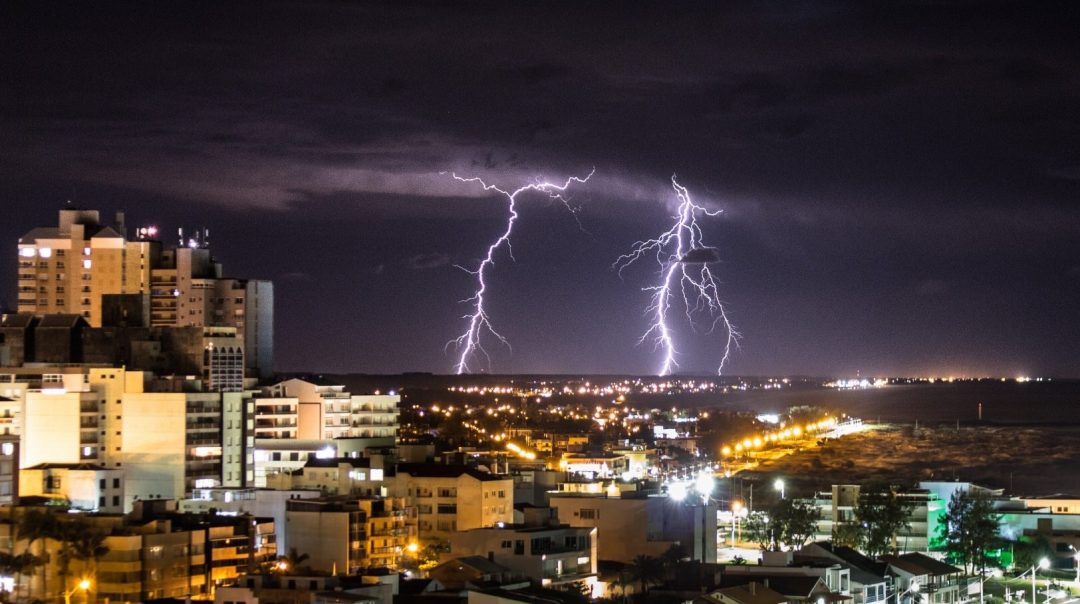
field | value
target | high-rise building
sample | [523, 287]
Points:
[67, 268]
[74, 267]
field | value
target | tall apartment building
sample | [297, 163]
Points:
[67, 268]
[71, 268]
[78, 422]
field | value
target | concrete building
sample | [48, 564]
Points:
[67, 268]
[152, 553]
[837, 507]
[162, 444]
[73, 268]
[452, 498]
[347, 535]
[636, 524]
[262, 503]
[541, 549]
[327, 411]
[355, 476]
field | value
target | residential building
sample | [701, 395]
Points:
[630, 523]
[452, 498]
[349, 534]
[73, 268]
[152, 553]
[327, 411]
[794, 588]
[541, 549]
[870, 579]
[939, 583]
[595, 465]
[355, 476]
[67, 268]
[459, 573]
[261, 503]
[162, 445]
[920, 534]
[751, 593]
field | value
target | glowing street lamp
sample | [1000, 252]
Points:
[83, 585]
[779, 486]
[1043, 564]
[913, 588]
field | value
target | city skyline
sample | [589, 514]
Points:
[897, 186]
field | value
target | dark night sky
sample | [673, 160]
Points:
[899, 180]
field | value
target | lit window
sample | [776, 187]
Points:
[45, 252]
[27, 252]
[86, 264]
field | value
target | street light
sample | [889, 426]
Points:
[83, 585]
[913, 588]
[1043, 564]
[779, 486]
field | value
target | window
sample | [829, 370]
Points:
[447, 508]
[540, 545]
[507, 544]
[589, 514]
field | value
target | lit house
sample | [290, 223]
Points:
[541, 548]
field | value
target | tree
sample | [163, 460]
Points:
[36, 525]
[881, 513]
[671, 558]
[970, 528]
[847, 535]
[625, 580]
[292, 562]
[1028, 550]
[647, 569]
[786, 522]
[85, 543]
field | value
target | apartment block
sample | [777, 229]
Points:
[837, 508]
[452, 498]
[67, 268]
[162, 445]
[152, 552]
[74, 268]
[541, 548]
[350, 534]
[636, 524]
[327, 411]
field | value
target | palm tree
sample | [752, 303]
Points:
[647, 569]
[85, 543]
[36, 525]
[671, 558]
[624, 581]
[292, 561]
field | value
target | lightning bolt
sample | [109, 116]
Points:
[468, 344]
[675, 250]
